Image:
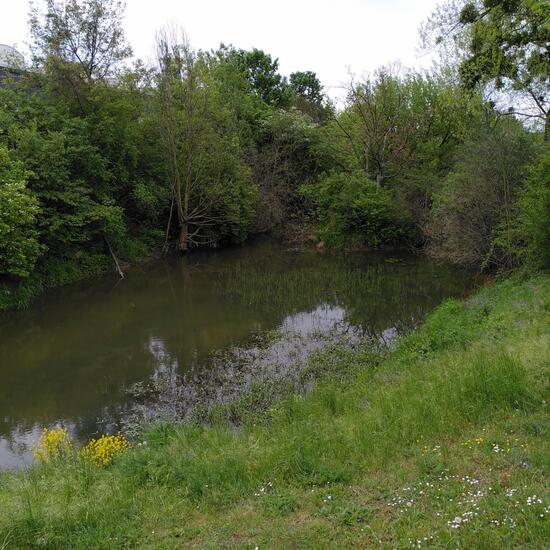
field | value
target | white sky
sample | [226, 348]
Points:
[331, 38]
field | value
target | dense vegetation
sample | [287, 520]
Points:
[104, 162]
[442, 443]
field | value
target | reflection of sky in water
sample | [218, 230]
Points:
[17, 449]
[324, 317]
[163, 362]
[308, 331]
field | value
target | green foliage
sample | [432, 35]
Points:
[403, 131]
[534, 215]
[261, 70]
[212, 187]
[85, 35]
[308, 95]
[508, 46]
[102, 148]
[534, 205]
[19, 246]
[351, 207]
[287, 155]
[476, 209]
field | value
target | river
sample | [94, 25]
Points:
[71, 357]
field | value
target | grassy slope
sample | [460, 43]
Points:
[390, 459]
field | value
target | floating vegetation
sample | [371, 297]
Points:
[246, 380]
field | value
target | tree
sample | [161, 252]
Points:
[181, 119]
[350, 207]
[510, 46]
[285, 157]
[206, 175]
[262, 71]
[532, 233]
[307, 85]
[77, 43]
[376, 123]
[87, 34]
[308, 95]
[19, 245]
[504, 44]
[477, 207]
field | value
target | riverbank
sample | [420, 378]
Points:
[442, 443]
[54, 273]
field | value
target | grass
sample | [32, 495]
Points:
[443, 444]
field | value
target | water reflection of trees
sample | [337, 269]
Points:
[376, 294]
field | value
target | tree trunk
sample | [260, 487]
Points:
[547, 127]
[184, 237]
[113, 255]
[379, 171]
[379, 176]
[184, 221]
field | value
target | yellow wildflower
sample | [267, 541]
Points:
[53, 443]
[102, 451]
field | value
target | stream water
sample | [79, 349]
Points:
[71, 356]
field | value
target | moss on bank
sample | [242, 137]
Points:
[443, 444]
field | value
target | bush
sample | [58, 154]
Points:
[19, 246]
[534, 216]
[476, 210]
[353, 208]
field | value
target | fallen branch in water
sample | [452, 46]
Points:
[115, 260]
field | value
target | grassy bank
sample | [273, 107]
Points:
[444, 444]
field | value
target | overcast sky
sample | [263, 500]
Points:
[331, 38]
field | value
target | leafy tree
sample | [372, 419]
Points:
[19, 245]
[532, 235]
[376, 124]
[286, 157]
[307, 85]
[262, 71]
[200, 157]
[503, 43]
[309, 96]
[477, 206]
[510, 46]
[402, 131]
[86, 34]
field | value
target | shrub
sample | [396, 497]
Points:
[534, 216]
[53, 443]
[102, 451]
[476, 209]
[19, 246]
[352, 207]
